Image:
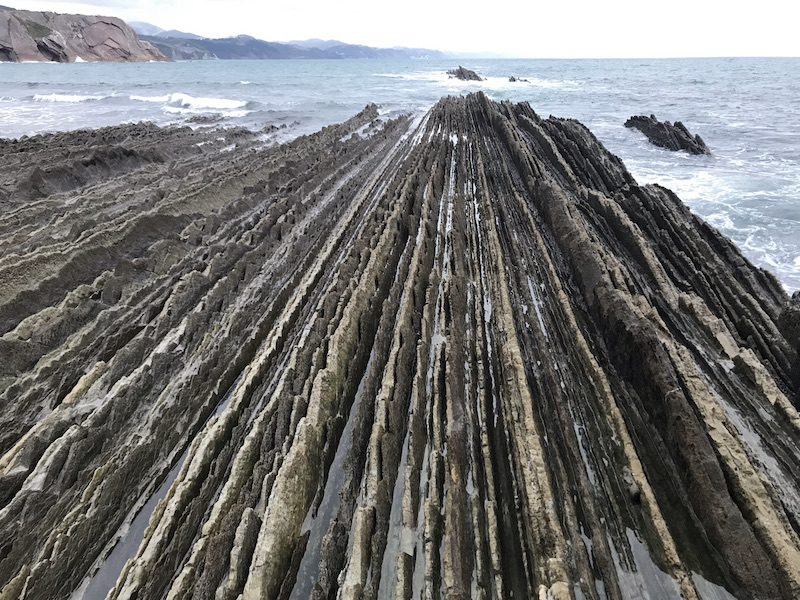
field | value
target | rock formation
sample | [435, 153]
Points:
[45, 36]
[669, 136]
[464, 74]
[461, 357]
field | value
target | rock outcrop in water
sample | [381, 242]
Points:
[51, 37]
[466, 357]
[669, 136]
[464, 74]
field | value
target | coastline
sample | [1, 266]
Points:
[545, 353]
[745, 189]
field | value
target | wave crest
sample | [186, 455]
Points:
[72, 98]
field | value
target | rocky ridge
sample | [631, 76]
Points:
[463, 357]
[46, 36]
[464, 74]
[669, 136]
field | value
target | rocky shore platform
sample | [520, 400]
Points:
[460, 356]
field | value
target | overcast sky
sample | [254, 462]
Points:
[522, 28]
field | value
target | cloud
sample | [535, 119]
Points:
[567, 28]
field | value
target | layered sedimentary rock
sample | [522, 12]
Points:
[46, 36]
[460, 357]
[669, 136]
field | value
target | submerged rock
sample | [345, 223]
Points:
[46, 36]
[466, 358]
[464, 74]
[669, 136]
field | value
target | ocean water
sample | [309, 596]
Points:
[746, 110]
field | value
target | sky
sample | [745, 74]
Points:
[518, 28]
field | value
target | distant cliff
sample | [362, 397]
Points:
[45, 36]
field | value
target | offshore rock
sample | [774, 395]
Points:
[45, 36]
[669, 136]
[464, 74]
[464, 356]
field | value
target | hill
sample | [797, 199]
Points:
[190, 47]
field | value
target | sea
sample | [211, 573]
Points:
[746, 109]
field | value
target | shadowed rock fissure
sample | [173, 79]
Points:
[464, 356]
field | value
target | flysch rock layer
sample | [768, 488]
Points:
[52, 37]
[466, 356]
[666, 135]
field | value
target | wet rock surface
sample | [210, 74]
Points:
[464, 74]
[669, 136]
[52, 37]
[466, 356]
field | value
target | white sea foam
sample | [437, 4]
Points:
[179, 102]
[491, 83]
[236, 114]
[720, 220]
[151, 98]
[184, 104]
[189, 102]
[71, 98]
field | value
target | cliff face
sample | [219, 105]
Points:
[45, 36]
[468, 357]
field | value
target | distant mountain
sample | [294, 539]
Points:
[174, 33]
[316, 43]
[142, 28]
[247, 47]
[7, 8]
[150, 30]
[355, 51]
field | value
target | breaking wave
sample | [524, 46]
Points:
[71, 98]
[187, 102]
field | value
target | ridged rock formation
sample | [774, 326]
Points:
[669, 136]
[464, 74]
[464, 357]
[51, 37]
